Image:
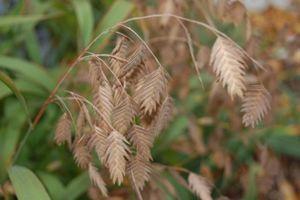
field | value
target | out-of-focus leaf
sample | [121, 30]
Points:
[52, 184]
[26, 184]
[33, 47]
[18, 19]
[11, 85]
[15, 20]
[177, 127]
[284, 144]
[85, 19]
[23, 86]
[251, 192]
[10, 132]
[117, 13]
[29, 70]
[77, 187]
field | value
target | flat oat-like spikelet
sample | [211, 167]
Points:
[135, 62]
[98, 141]
[142, 139]
[139, 171]
[95, 72]
[119, 51]
[80, 122]
[81, 152]
[199, 186]
[103, 99]
[63, 130]
[150, 90]
[123, 113]
[97, 180]
[164, 115]
[116, 153]
[229, 65]
[256, 104]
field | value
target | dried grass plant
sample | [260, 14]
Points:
[131, 105]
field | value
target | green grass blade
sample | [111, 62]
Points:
[13, 119]
[284, 144]
[16, 20]
[26, 184]
[29, 70]
[32, 46]
[77, 187]
[11, 85]
[85, 19]
[117, 13]
[53, 185]
[24, 87]
[251, 192]
[19, 19]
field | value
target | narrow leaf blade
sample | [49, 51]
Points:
[85, 19]
[11, 85]
[117, 13]
[26, 184]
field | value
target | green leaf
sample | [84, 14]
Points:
[23, 86]
[32, 46]
[251, 192]
[19, 19]
[29, 70]
[85, 19]
[284, 144]
[26, 184]
[77, 187]
[175, 129]
[117, 13]
[52, 184]
[10, 132]
[11, 85]
[15, 20]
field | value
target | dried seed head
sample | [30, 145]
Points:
[97, 180]
[63, 130]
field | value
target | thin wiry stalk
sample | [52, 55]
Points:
[103, 55]
[191, 49]
[177, 39]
